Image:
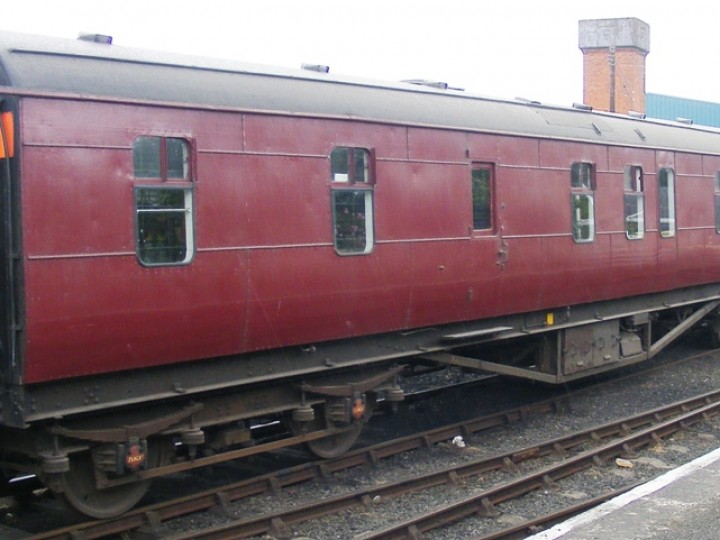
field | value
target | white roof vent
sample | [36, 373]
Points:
[96, 38]
[316, 67]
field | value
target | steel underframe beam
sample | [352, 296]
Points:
[312, 363]
[477, 364]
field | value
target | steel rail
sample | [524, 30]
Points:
[532, 526]
[278, 523]
[485, 501]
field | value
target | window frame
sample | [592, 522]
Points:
[163, 163]
[582, 181]
[351, 178]
[490, 168]
[344, 183]
[634, 192]
[582, 187]
[671, 216]
[189, 222]
[165, 181]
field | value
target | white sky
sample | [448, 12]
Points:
[504, 49]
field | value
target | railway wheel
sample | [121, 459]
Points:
[80, 492]
[338, 443]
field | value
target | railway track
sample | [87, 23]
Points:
[152, 520]
[547, 477]
[624, 437]
[529, 527]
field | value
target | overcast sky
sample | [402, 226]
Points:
[504, 49]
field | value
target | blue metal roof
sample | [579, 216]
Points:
[704, 113]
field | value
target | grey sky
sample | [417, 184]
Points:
[507, 49]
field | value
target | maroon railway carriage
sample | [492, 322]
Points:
[190, 245]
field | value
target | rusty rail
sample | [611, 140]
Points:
[484, 502]
[699, 408]
[533, 525]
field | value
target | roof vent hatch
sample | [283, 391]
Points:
[96, 38]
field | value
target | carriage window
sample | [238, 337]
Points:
[353, 216]
[161, 157]
[163, 213]
[634, 202]
[350, 165]
[351, 172]
[177, 152]
[482, 197]
[146, 157]
[581, 176]
[164, 225]
[717, 202]
[582, 183]
[666, 202]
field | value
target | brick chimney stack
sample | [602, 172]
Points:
[614, 52]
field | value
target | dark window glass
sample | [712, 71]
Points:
[581, 175]
[482, 197]
[350, 165]
[339, 165]
[666, 202]
[353, 221]
[362, 165]
[146, 157]
[634, 202]
[163, 213]
[582, 183]
[158, 157]
[178, 158]
[164, 225]
[583, 218]
[352, 209]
